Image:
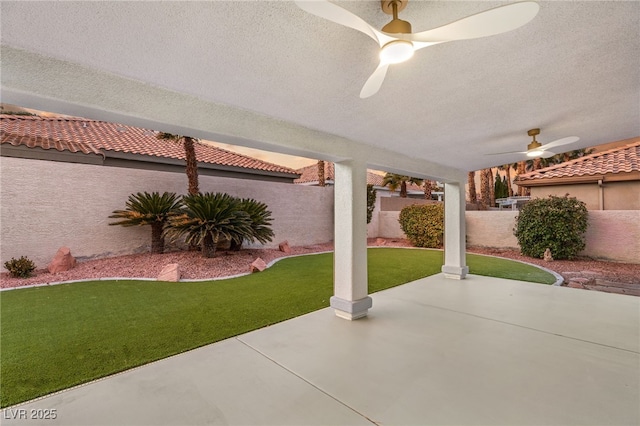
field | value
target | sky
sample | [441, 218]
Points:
[271, 157]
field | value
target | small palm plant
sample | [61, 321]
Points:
[149, 209]
[208, 217]
[260, 223]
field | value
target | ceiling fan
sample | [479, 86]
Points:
[535, 149]
[398, 43]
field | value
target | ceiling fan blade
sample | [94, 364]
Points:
[490, 22]
[547, 154]
[508, 152]
[559, 142]
[335, 13]
[374, 82]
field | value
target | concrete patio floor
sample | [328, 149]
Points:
[482, 351]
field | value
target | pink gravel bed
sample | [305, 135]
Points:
[228, 263]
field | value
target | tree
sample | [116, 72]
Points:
[393, 181]
[149, 209]
[208, 217]
[485, 187]
[507, 168]
[473, 194]
[522, 169]
[500, 187]
[190, 157]
[322, 181]
[428, 188]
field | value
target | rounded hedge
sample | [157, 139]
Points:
[556, 223]
[423, 224]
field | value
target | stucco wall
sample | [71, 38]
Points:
[615, 195]
[45, 205]
[611, 235]
[491, 228]
[614, 234]
[398, 203]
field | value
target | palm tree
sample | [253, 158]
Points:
[486, 182]
[189, 155]
[521, 169]
[260, 223]
[322, 181]
[393, 181]
[473, 194]
[149, 209]
[208, 217]
[428, 188]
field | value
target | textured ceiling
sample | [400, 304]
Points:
[573, 70]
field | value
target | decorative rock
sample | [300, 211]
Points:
[62, 261]
[284, 247]
[381, 241]
[547, 255]
[580, 282]
[170, 272]
[258, 265]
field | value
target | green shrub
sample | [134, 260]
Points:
[20, 268]
[371, 201]
[260, 223]
[556, 223]
[423, 224]
[207, 218]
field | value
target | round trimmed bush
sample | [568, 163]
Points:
[423, 224]
[556, 223]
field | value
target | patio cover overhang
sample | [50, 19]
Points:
[48, 84]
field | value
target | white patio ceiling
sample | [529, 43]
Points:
[269, 75]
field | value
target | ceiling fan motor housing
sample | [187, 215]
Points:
[534, 144]
[396, 26]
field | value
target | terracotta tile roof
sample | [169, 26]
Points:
[624, 159]
[46, 143]
[309, 175]
[89, 136]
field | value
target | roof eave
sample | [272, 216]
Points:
[571, 180]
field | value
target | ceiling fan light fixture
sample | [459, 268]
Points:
[535, 153]
[396, 51]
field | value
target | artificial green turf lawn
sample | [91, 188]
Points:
[54, 337]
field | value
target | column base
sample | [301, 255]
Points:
[351, 309]
[455, 272]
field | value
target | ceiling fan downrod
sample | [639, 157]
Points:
[396, 26]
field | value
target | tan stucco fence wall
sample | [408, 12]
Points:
[45, 205]
[611, 235]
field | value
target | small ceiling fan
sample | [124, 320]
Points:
[535, 149]
[398, 43]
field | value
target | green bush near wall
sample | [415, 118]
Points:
[423, 224]
[556, 223]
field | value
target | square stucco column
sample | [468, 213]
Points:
[455, 261]
[351, 296]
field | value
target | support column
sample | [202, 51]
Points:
[350, 300]
[455, 247]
